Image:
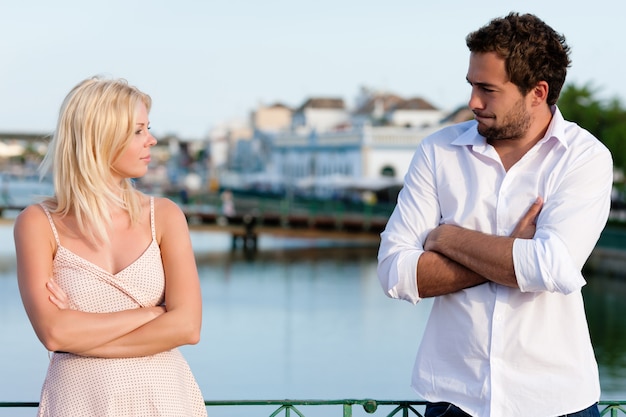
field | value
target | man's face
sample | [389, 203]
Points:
[501, 111]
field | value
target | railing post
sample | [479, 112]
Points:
[347, 409]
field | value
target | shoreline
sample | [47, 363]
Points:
[605, 259]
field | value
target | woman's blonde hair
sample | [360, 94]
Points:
[96, 123]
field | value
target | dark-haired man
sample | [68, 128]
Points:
[495, 221]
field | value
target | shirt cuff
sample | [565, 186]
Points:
[403, 284]
[541, 267]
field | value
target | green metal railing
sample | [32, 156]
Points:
[388, 408]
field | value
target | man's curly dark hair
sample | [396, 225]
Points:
[532, 51]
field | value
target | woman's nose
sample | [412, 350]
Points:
[151, 140]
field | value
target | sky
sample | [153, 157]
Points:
[206, 62]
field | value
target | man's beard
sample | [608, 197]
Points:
[514, 125]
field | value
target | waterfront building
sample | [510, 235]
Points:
[320, 148]
[354, 161]
[320, 114]
[331, 152]
[273, 118]
[388, 109]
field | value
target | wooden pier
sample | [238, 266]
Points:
[251, 222]
[246, 228]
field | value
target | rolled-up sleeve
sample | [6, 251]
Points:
[568, 226]
[415, 215]
[397, 270]
[545, 265]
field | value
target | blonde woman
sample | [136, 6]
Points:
[107, 274]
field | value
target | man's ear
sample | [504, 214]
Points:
[540, 93]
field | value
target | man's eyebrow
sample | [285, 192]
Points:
[479, 83]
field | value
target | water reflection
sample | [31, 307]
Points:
[305, 323]
[301, 322]
[333, 294]
[606, 313]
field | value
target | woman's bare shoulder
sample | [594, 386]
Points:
[165, 206]
[31, 223]
[168, 213]
[32, 216]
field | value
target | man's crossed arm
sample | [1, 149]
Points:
[456, 258]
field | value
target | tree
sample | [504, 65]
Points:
[606, 120]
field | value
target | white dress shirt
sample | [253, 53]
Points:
[493, 350]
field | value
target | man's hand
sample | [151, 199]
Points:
[526, 227]
[486, 255]
[435, 235]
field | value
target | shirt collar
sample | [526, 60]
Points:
[556, 130]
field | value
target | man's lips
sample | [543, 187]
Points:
[482, 116]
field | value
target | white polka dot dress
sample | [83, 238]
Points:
[158, 385]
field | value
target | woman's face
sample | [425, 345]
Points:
[133, 161]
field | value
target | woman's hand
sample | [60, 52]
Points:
[57, 296]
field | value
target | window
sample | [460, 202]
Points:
[388, 171]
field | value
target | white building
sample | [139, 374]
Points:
[321, 114]
[387, 109]
[366, 157]
[273, 118]
[415, 112]
[327, 148]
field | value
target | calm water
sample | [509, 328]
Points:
[303, 320]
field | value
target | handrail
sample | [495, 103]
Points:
[609, 408]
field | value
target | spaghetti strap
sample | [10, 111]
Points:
[54, 229]
[152, 218]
